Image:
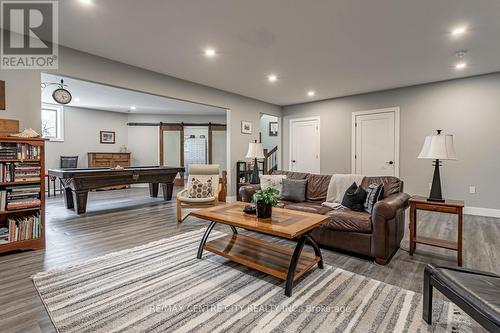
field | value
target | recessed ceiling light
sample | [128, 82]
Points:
[210, 53]
[133, 107]
[459, 31]
[461, 65]
[311, 93]
[272, 78]
[87, 2]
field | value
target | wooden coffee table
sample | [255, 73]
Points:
[277, 260]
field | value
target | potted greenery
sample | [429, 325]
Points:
[265, 200]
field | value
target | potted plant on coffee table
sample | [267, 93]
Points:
[265, 200]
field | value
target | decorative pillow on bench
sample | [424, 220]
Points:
[354, 198]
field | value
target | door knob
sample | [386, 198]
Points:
[390, 162]
[293, 161]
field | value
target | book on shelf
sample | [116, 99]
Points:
[20, 197]
[20, 171]
[4, 235]
[21, 151]
[24, 228]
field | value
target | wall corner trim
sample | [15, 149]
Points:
[478, 211]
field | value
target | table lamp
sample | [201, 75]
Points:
[437, 147]
[255, 151]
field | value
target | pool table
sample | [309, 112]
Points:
[78, 182]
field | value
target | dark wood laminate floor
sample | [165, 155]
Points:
[118, 220]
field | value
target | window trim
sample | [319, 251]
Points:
[59, 120]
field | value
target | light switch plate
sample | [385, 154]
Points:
[472, 189]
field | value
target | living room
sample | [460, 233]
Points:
[351, 98]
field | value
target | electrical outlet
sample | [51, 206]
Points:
[472, 189]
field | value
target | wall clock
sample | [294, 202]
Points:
[61, 95]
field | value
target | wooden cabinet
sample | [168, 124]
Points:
[110, 160]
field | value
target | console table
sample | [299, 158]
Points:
[449, 207]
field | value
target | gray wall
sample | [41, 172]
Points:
[23, 94]
[81, 135]
[468, 108]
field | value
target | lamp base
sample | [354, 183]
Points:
[255, 179]
[435, 195]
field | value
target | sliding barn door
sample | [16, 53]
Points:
[172, 148]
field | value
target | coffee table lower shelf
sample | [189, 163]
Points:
[267, 257]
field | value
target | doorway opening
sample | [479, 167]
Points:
[270, 137]
[104, 126]
[188, 143]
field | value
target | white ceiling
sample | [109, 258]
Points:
[101, 97]
[335, 47]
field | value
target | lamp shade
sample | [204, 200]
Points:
[438, 147]
[255, 150]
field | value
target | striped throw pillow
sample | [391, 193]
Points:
[374, 193]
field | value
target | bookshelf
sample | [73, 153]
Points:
[22, 194]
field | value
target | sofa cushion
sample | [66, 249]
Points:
[291, 174]
[354, 198]
[317, 187]
[309, 207]
[391, 184]
[374, 193]
[272, 181]
[294, 190]
[345, 219]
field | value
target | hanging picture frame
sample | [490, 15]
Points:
[107, 137]
[273, 128]
[246, 127]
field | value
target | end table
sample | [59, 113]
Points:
[450, 207]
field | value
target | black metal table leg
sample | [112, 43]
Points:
[234, 229]
[293, 265]
[317, 251]
[204, 239]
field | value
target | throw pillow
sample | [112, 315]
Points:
[272, 181]
[294, 190]
[354, 198]
[200, 187]
[374, 193]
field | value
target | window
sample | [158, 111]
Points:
[52, 122]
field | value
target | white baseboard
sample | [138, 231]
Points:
[489, 212]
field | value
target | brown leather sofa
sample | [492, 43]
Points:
[377, 235]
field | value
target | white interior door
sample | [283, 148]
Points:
[376, 143]
[304, 145]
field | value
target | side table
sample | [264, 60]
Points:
[449, 207]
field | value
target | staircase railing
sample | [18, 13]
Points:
[270, 160]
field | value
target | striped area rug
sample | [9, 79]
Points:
[162, 287]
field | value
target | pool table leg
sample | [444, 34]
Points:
[68, 198]
[153, 190]
[80, 197]
[167, 188]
